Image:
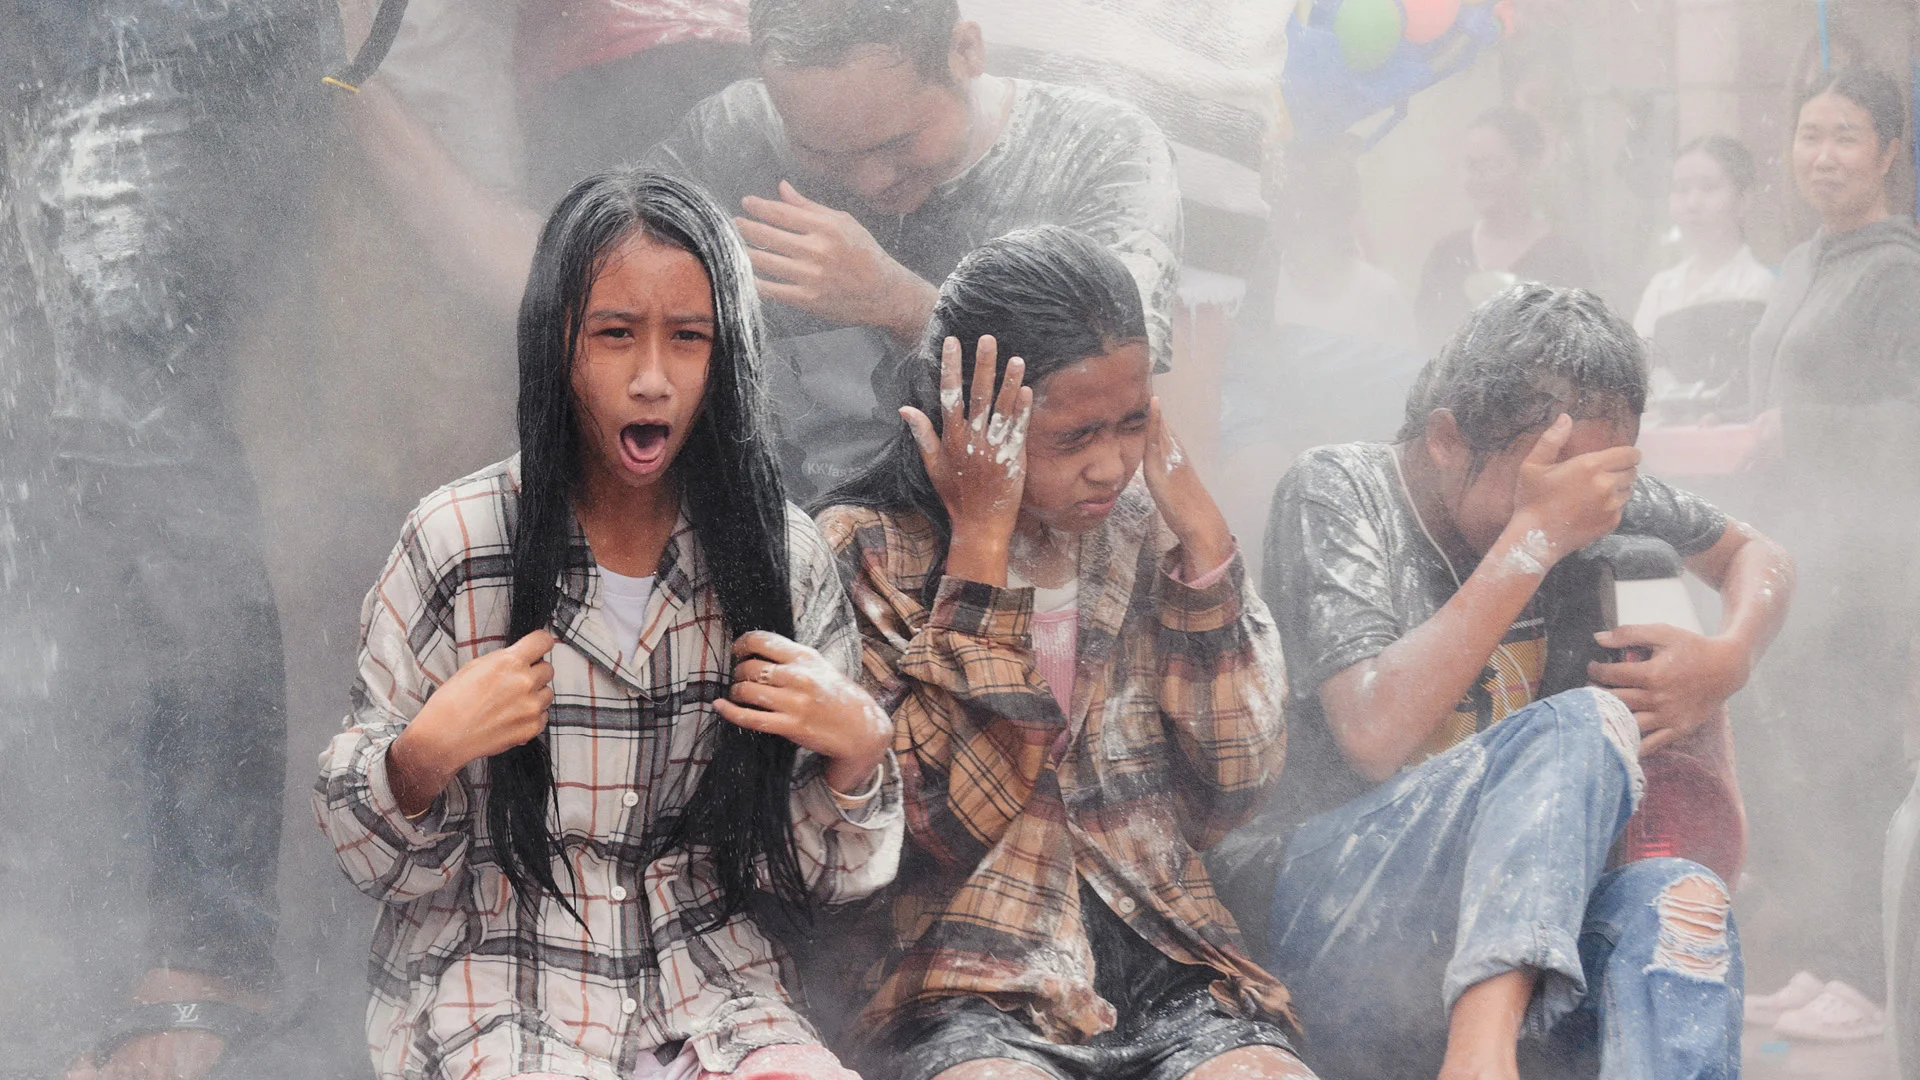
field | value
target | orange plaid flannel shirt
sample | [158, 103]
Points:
[1178, 733]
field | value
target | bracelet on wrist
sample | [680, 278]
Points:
[849, 802]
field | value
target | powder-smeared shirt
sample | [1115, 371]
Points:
[1349, 571]
[463, 985]
[1177, 732]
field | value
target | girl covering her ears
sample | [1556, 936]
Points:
[605, 694]
[1085, 692]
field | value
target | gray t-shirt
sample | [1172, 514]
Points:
[1067, 157]
[1349, 572]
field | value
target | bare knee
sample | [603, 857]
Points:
[995, 1069]
[1252, 1063]
[1693, 913]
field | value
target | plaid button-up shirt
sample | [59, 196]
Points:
[1177, 733]
[463, 986]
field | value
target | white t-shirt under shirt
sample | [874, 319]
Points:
[623, 604]
[1055, 630]
[1056, 634]
[1739, 278]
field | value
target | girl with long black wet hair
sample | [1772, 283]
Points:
[604, 694]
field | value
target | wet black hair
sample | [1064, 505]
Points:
[1730, 154]
[820, 33]
[1049, 295]
[730, 492]
[1873, 90]
[1518, 128]
[1523, 358]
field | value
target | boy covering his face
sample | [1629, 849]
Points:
[1435, 871]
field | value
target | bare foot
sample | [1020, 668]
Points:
[163, 1055]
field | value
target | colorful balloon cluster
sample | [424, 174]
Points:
[1370, 30]
[1348, 59]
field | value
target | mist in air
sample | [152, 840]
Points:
[248, 319]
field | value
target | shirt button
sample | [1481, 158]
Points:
[629, 1006]
[1126, 905]
[631, 798]
[619, 892]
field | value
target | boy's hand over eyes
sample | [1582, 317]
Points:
[978, 459]
[1682, 683]
[784, 688]
[1570, 503]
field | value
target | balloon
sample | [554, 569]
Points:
[1428, 19]
[1369, 31]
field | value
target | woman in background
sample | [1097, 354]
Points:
[1712, 177]
[1699, 359]
[1510, 240]
[1836, 375]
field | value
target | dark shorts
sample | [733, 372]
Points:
[1169, 1022]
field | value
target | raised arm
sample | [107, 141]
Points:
[1221, 681]
[1384, 707]
[973, 721]
[481, 238]
[394, 793]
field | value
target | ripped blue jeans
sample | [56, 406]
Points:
[1490, 857]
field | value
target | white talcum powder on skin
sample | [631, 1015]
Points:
[1530, 555]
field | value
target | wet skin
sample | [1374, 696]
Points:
[1468, 505]
[876, 125]
[1083, 435]
[1087, 439]
[638, 381]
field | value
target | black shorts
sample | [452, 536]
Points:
[1169, 1021]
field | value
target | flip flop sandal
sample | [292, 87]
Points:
[235, 1025]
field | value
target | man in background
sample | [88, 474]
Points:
[871, 154]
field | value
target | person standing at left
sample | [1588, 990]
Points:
[152, 153]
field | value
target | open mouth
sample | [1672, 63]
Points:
[1099, 506]
[644, 447]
